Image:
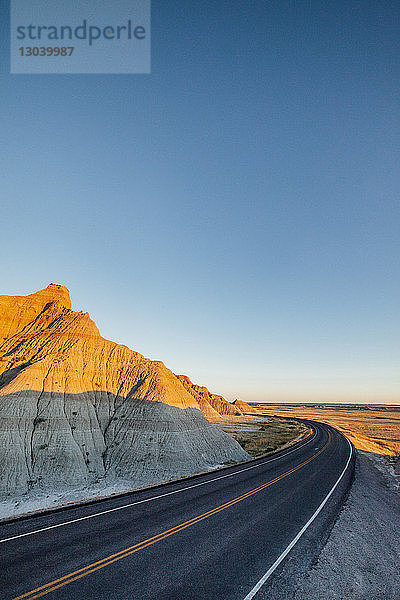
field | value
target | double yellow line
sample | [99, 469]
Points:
[100, 564]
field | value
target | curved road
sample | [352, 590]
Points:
[249, 531]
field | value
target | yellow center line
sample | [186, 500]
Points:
[108, 560]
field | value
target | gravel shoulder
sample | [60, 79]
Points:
[362, 556]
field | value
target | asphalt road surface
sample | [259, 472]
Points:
[248, 531]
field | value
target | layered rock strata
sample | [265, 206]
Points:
[244, 407]
[77, 409]
[214, 407]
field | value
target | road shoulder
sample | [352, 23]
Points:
[360, 560]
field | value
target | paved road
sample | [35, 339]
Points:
[213, 536]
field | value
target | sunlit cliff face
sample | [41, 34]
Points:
[76, 408]
[48, 347]
[51, 348]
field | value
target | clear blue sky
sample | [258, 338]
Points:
[235, 213]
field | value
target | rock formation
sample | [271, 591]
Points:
[243, 406]
[76, 409]
[213, 407]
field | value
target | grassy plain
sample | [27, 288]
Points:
[371, 429]
[260, 436]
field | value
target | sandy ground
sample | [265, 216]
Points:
[361, 560]
[40, 501]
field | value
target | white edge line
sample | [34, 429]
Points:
[278, 561]
[189, 487]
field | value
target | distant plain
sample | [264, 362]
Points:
[371, 428]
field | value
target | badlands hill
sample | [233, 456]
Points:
[212, 406]
[77, 409]
[243, 406]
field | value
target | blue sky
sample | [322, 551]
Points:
[235, 213]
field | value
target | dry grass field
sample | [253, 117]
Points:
[372, 430]
[260, 436]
